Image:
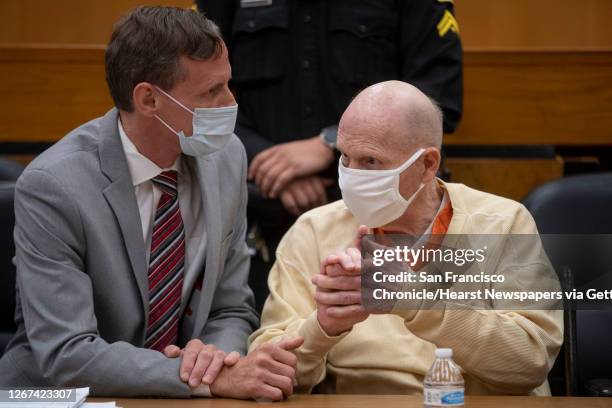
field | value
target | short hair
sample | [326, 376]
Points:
[146, 44]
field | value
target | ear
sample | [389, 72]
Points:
[144, 99]
[431, 160]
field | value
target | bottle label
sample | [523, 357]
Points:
[444, 397]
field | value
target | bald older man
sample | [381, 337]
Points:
[394, 127]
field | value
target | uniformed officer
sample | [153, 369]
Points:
[297, 64]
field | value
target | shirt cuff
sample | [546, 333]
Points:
[316, 342]
[202, 390]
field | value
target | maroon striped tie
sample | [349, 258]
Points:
[166, 266]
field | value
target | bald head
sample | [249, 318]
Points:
[386, 125]
[395, 115]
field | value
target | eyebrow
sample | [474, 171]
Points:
[218, 85]
[212, 88]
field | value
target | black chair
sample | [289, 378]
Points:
[10, 170]
[7, 269]
[581, 206]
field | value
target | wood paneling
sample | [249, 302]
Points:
[493, 24]
[535, 24]
[528, 97]
[47, 91]
[66, 21]
[511, 178]
[510, 97]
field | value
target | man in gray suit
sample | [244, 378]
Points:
[131, 260]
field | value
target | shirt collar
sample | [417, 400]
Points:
[141, 168]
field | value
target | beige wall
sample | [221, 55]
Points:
[491, 24]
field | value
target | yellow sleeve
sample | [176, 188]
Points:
[290, 309]
[511, 351]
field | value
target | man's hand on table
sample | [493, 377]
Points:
[266, 373]
[201, 363]
[338, 292]
[274, 168]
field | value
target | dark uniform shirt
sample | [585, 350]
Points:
[297, 64]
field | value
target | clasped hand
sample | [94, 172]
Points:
[338, 289]
[267, 373]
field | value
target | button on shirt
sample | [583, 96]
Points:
[142, 170]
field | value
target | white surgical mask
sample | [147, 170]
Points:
[212, 128]
[373, 196]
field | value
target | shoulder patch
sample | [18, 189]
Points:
[447, 23]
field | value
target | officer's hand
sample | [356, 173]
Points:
[304, 194]
[277, 166]
[201, 363]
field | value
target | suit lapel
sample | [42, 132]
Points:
[121, 198]
[211, 207]
[128, 218]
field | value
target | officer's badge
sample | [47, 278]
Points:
[255, 3]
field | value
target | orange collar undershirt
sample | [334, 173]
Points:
[440, 223]
[438, 230]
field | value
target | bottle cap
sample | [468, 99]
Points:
[444, 353]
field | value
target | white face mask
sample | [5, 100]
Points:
[373, 196]
[212, 128]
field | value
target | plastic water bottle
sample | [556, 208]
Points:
[443, 384]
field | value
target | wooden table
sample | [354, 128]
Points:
[363, 401]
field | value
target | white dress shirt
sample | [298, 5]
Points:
[142, 170]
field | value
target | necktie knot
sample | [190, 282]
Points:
[167, 181]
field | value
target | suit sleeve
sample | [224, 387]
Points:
[233, 317]
[431, 55]
[56, 295]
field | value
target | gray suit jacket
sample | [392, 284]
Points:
[82, 275]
